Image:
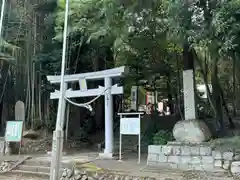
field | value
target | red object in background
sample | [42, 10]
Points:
[150, 98]
[147, 98]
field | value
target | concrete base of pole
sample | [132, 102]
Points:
[57, 147]
[106, 155]
[49, 153]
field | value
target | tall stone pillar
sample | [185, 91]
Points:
[188, 84]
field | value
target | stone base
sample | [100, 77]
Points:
[50, 153]
[106, 155]
[191, 131]
[192, 157]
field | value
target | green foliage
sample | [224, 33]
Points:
[50, 124]
[135, 32]
[162, 137]
[82, 135]
[37, 124]
[149, 134]
[227, 25]
[213, 23]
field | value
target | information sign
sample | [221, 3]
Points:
[14, 131]
[130, 126]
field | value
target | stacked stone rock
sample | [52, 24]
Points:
[5, 165]
[191, 157]
[72, 174]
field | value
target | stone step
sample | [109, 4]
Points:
[37, 169]
[39, 174]
[41, 163]
[37, 163]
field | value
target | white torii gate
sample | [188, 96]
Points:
[108, 90]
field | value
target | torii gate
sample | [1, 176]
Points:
[108, 90]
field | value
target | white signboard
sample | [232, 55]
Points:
[130, 126]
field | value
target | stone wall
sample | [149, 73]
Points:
[192, 157]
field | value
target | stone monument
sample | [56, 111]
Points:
[190, 130]
[19, 111]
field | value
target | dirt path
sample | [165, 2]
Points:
[20, 177]
[128, 168]
[132, 169]
[161, 176]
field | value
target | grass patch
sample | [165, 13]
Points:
[226, 143]
[89, 167]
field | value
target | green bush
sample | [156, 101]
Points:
[162, 137]
[149, 134]
[82, 135]
[50, 124]
[37, 124]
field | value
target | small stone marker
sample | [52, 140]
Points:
[20, 116]
[19, 111]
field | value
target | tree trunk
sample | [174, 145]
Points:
[179, 85]
[234, 86]
[33, 96]
[204, 74]
[231, 123]
[4, 79]
[170, 96]
[47, 109]
[40, 94]
[217, 97]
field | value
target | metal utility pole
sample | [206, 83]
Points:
[2, 16]
[57, 144]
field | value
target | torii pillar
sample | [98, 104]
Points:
[108, 151]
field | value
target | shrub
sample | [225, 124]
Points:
[50, 124]
[162, 137]
[37, 124]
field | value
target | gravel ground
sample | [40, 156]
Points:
[20, 177]
[168, 176]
